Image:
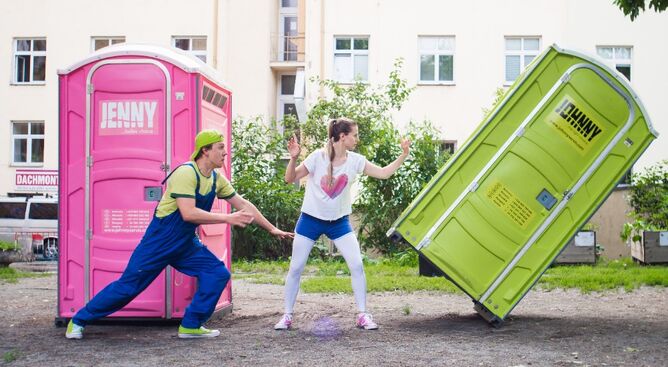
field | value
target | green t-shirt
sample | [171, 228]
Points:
[183, 183]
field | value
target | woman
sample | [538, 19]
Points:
[327, 205]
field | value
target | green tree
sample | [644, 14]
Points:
[258, 168]
[632, 8]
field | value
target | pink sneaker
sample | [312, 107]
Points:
[365, 321]
[285, 323]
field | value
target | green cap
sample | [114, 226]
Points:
[204, 138]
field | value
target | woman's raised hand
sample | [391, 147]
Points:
[293, 147]
[405, 146]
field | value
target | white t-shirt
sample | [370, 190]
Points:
[330, 201]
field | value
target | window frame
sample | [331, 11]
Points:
[443, 144]
[109, 40]
[522, 53]
[614, 62]
[32, 54]
[29, 137]
[283, 99]
[436, 53]
[353, 54]
[190, 50]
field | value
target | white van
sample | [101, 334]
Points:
[31, 223]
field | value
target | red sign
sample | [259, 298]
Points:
[36, 180]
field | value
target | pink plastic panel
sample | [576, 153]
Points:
[128, 147]
[215, 112]
[71, 193]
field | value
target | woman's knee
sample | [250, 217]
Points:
[356, 268]
[295, 270]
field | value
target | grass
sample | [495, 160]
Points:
[387, 275]
[9, 275]
[10, 356]
[605, 276]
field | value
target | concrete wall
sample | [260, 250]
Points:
[608, 222]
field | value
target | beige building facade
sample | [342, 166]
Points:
[456, 53]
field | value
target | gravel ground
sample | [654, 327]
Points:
[556, 328]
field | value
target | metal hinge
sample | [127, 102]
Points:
[164, 167]
[520, 132]
[90, 88]
[424, 243]
[473, 187]
[566, 78]
[89, 161]
[568, 195]
[89, 234]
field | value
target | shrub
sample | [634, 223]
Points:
[258, 167]
[649, 202]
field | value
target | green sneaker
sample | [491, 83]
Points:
[201, 332]
[74, 331]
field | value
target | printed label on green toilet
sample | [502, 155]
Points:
[573, 122]
[510, 204]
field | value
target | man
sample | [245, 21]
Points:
[170, 239]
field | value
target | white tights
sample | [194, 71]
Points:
[348, 247]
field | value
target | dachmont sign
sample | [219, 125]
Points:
[37, 180]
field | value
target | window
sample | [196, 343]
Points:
[29, 61]
[289, 38]
[101, 42]
[351, 59]
[617, 57]
[13, 210]
[448, 146]
[43, 211]
[28, 143]
[195, 46]
[286, 96]
[520, 51]
[627, 179]
[213, 97]
[436, 59]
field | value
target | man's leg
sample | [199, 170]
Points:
[212, 277]
[144, 266]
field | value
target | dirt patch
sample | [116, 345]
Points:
[557, 328]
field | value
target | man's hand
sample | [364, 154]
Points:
[281, 234]
[241, 218]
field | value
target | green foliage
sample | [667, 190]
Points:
[380, 202]
[11, 356]
[632, 8]
[258, 169]
[499, 93]
[649, 202]
[8, 246]
[406, 258]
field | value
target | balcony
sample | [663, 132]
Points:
[287, 51]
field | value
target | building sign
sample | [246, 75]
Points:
[37, 180]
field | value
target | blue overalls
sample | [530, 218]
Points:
[168, 241]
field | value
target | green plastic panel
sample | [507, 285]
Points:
[498, 213]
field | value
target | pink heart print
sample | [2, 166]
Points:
[337, 186]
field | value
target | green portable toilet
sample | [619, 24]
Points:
[546, 157]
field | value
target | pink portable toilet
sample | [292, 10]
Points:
[128, 116]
